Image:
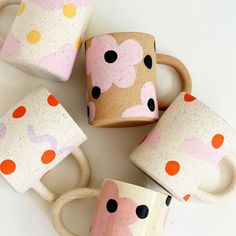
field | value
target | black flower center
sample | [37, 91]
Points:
[110, 56]
[151, 104]
[112, 206]
[148, 61]
[142, 211]
[96, 92]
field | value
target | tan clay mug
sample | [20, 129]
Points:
[122, 209]
[121, 79]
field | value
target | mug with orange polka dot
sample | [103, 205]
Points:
[35, 136]
[121, 79]
[123, 209]
[46, 36]
[186, 143]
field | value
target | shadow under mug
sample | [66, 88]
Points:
[122, 209]
[35, 136]
[121, 79]
[46, 36]
[189, 140]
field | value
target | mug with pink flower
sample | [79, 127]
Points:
[122, 209]
[121, 79]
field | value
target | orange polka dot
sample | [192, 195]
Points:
[189, 98]
[172, 168]
[52, 101]
[8, 167]
[19, 112]
[186, 197]
[217, 141]
[48, 156]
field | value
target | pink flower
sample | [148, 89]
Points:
[108, 63]
[3, 130]
[91, 111]
[61, 62]
[113, 215]
[11, 47]
[58, 4]
[148, 107]
[1, 42]
[203, 151]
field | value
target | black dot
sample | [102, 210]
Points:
[168, 200]
[110, 56]
[148, 61]
[88, 111]
[155, 46]
[112, 206]
[96, 92]
[142, 211]
[151, 104]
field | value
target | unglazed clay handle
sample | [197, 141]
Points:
[218, 197]
[57, 208]
[84, 166]
[3, 4]
[182, 71]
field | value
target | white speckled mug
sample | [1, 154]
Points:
[46, 36]
[122, 209]
[188, 140]
[35, 136]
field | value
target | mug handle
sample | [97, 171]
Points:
[3, 4]
[182, 71]
[218, 197]
[84, 166]
[66, 198]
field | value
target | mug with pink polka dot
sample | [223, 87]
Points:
[121, 79]
[35, 136]
[188, 141]
[122, 209]
[46, 36]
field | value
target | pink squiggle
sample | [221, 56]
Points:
[66, 150]
[49, 139]
[3, 130]
[200, 150]
[42, 138]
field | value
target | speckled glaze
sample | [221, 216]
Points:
[121, 79]
[139, 212]
[122, 209]
[46, 36]
[188, 140]
[35, 136]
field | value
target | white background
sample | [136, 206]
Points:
[202, 33]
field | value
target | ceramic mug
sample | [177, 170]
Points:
[121, 79]
[122, 209]
[35, 136]
[188, 140]
[46, 36]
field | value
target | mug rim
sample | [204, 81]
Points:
[120, 32]
[135, 186]
[210, 109]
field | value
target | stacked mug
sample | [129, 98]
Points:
[188, 140]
